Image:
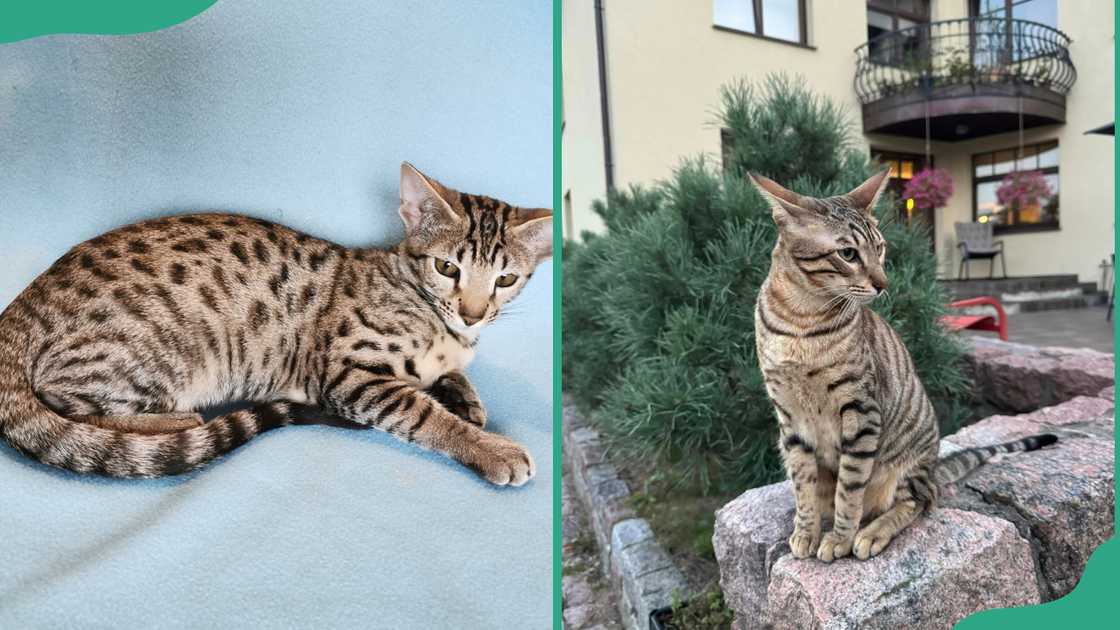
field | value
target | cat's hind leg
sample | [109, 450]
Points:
[95, 407]
[915, 493]
[148, 423]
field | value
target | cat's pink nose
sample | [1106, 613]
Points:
[470, 319]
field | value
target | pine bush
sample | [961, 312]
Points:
[658, 310]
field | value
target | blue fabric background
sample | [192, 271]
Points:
[299, 111]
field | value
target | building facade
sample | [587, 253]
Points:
[983, 87]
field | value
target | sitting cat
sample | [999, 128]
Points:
[105, 357]
[857, 432]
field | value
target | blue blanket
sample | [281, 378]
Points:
[304, 527]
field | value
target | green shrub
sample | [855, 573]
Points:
[658, 310]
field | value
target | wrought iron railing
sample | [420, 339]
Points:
[967, 51]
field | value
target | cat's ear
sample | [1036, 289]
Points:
[866, 195]
[423, 197]
[533, 227]
[786, 206]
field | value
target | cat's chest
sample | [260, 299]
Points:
[444, 355]
[794, 382]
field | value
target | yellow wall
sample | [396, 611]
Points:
[666, 64]
[581, 139]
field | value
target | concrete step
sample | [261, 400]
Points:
[1060, 303]
[962, 289]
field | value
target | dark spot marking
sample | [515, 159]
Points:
[208, 298]
[237, 250]
[138, 247]
[220, 277]
[308, 294]
[316, 260]
[142, 267]
[215, 235]
[278, 280]
[191, 246]
[261, 250]
[259, 316]
[178, 273]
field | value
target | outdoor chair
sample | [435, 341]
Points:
[975, 241]
[997, 324]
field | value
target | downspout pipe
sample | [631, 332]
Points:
[604, 103]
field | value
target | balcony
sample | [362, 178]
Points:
[969, 77]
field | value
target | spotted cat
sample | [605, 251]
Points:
[106, 358]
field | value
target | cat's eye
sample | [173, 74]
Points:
[447, 268]
[849, 254]
[506, 280]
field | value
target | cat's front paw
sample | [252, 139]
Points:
[803, 542]
[870, 541]
[502, 461]
[474, 414]
[833, 546]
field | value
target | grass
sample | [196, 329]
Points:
[705, 611]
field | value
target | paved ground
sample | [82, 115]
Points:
[589, 602]
[1075, 328]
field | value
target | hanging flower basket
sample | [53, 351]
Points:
[929, 188]
[1023, 189]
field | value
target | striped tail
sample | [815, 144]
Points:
[35, 430]
[956, 466]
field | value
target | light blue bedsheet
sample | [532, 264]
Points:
[299, 111]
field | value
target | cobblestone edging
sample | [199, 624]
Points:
[639, 569]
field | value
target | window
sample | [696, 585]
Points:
[1041, 11]
[995, 34]
[783, 20]
[896, 16]
[988, 172]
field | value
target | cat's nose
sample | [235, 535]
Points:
[470, 319]
[879, 282]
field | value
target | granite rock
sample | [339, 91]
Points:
[1017, 531]
[1019, 378]
[751, 533]
[1060, 497]
[946, 566]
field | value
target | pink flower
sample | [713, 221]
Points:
[929, 188]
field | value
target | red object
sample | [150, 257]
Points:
[978, 322]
